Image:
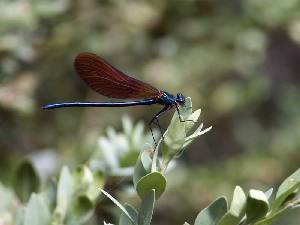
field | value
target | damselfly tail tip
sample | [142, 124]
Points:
[45, 107]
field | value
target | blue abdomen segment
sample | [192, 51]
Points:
[150, 101]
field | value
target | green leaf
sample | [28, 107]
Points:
[151, 181]
[87, 183]
[107, 223]
[50, 194]
[137, 135]
[132, 212]
[257, 205]
[238, 204]
[26, 180]
[82, 209]
[269, 192]
[140, 170]
[175, 138]
[146, 157]
[93, 191]
[65, 189]
[8, 199]
[272, 217]
[83, 178]
[175, 135]
[146, 210]
[190, 117]
[124, 220]
[212, 214]
[288, 186]
[237, 208]
[127, 125]
[19, 219]
[36, 212]
[117, 203]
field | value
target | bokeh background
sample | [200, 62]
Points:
[239, 60]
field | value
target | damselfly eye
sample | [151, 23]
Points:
[180, 98]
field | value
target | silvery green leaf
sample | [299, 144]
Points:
[107, 223]
[65, 189]
[36, 211]
[212, 214]
[19, 218]
[192, 120]
[109, 152]
[296, 206]
[98, 182]
[124, 172]
[111, 133]
[237, 208]
[175, 138]
[83, 177]
[186, 109]
[269, 192]
[117, 203]
[257, 205]
[124, 220]
[7, 198]
[175, 132]
[288, 186]
[137, 135]
[26, 180]
[152, 181]
[146, 156]
[127, 125]
[146, 209]
[142, 167]
[82, 209]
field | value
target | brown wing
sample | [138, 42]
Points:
[109, 81]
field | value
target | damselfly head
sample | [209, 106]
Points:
[180, 98]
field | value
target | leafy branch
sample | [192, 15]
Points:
[73, 198]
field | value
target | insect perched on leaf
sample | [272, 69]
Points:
[111, 82]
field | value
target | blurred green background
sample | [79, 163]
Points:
[239, 60]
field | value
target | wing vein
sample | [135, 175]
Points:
[109, 81]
